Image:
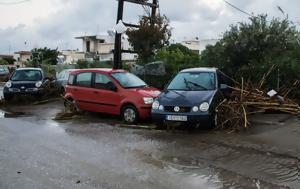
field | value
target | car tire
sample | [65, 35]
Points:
[71, 106]
[213, 123]
[8, 97]
[130, 114]
[161, 126]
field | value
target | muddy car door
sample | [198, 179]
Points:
[105, 94]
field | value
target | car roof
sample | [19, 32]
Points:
[38, 69]
[102, 70]
[200, 69]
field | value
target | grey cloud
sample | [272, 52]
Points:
[189, 18]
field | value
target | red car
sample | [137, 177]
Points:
[116, 92]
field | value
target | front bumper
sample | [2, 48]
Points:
[144, 111]
[28, 91]
[192, 118]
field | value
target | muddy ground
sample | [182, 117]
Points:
[93, 151]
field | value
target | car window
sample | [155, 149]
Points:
[102, 82]
[84, 79]
[71, 80]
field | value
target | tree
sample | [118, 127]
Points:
[44, 56]
[177, 57]
[152, 35]
[249, 50]
[9, 60]
[3, 62]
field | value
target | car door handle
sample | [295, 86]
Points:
[95, 92]
[75, 89]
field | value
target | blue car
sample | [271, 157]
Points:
[191, 98]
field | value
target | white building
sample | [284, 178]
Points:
[197, 45]
[101, 47]
[22, 57]
[70, 56]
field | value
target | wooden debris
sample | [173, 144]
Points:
[246, 100]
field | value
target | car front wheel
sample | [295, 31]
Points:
[130, 114]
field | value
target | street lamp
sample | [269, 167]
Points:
[120, 29]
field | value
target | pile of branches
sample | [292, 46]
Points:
[245, 100]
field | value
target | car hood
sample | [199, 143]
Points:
[147, 92]
[185, 98]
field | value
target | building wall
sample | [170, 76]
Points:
[103, 47]
[204, 43]
[72, 56]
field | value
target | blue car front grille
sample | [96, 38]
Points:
[181, 110]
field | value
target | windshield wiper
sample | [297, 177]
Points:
[187, 83]
[195, 84]
[174, 91]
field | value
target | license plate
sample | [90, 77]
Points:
[176, 118]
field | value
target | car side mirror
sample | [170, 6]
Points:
[112, 87]
[224, 87]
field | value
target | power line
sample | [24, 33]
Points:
[237, 8]
[13, 2]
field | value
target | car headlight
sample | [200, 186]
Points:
[161, 108]
[155, 105]
[38, 84]
[204, 107]
[195, 109]
[8, 84]
[148, 100]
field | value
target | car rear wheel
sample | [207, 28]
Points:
[71, 106]
[130, 114]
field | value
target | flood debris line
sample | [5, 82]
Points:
[233, 112]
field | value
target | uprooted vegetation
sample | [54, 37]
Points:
[246, 99]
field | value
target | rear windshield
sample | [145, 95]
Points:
[27, 75]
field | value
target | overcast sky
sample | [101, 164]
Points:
[55, 23]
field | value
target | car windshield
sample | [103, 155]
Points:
[3, 68]
[64, 75]
[128, 80]
[27, 75]
[193, 81]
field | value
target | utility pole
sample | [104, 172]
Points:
[118, 37]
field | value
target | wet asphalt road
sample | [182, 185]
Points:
[92, 151]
